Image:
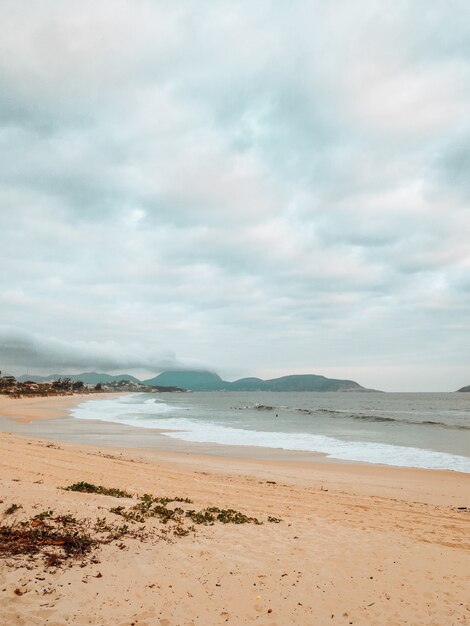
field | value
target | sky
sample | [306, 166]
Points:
[256, 188]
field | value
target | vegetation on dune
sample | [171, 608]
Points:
[149, 506]
[84, 487]
[64, 538]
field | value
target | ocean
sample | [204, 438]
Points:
[424, 430]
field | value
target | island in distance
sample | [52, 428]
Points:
[195, 380]
[467, 388]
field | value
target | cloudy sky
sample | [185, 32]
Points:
[259, 188]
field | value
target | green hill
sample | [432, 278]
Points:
[208, 381]
[310, 382]
[188, 379]
[248, 384]
[199, 380]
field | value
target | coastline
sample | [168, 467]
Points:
[49, 419]
[367, 544]
[29, 409]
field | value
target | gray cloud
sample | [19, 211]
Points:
[264, 188]
[28, 351]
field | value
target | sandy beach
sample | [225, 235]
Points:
[27, 409]
[356, 544]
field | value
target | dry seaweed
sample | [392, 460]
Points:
[12, 509]
[35, 536]
[59, 538]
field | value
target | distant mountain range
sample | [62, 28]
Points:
[208, 381]
[89, 378]
[196, 380]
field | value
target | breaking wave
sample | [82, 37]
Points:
[363, 417]
[157, 414]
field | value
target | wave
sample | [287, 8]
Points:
[256, 407]
[361, 451]
[380, 418]
[133, 412]
[124, 410]
[363, 417]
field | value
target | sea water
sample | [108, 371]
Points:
[426, 430]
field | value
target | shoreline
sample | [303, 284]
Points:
[29, 409]
[356, 543]
[32, 417]
[436, 487]
[50, 418]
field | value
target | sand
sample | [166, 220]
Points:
[38, 408]
[357, 544]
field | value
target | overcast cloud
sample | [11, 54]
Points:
[259, 188]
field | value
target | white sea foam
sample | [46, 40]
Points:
[125, 410]
[154, 413]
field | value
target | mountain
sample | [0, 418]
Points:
[208, 381]
[197, 380]
[188, 379]
[465, 388]
[247, 384]
[36, 378]
[309, 382]
[89, 378]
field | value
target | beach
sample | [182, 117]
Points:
[347, 544]
[29, 409]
